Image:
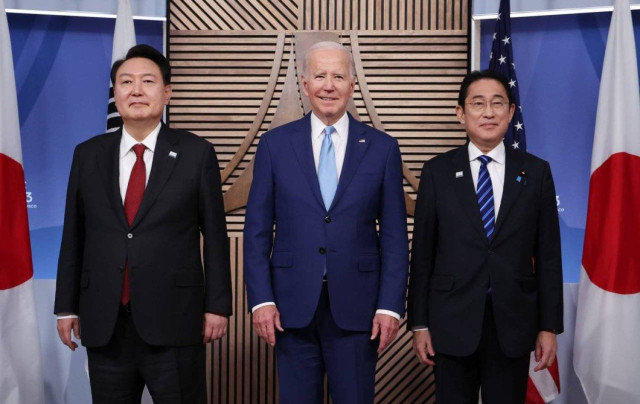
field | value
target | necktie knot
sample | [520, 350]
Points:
[484, 159]
[139, 149]
[328, 131]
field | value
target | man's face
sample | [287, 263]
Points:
[487, 121]
[139, 91]
[328, 83]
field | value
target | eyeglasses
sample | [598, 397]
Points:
[481, 106]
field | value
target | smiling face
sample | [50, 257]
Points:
[140, 93]
[486, 127]
[328, 83]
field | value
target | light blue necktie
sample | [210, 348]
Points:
[327, 173]
[485, 197]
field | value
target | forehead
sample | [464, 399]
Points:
[139, 66]
[487, 88]
[324, 57]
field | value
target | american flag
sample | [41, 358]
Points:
[544, 385]
[501, 61]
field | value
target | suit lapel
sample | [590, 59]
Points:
[301, 143]
[109, 169]
[466, 190]
[161, 169]
[512, 188]
[357, 143]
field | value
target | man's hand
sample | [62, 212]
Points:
[65, 325]
[423, 347]
[214, 327]
[387, 327]
[266, 320]
[546, 348]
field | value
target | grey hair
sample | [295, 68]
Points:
[328, 45]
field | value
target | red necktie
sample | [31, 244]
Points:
[132, 199]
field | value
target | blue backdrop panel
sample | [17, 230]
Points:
[62, 77]
[559, 62]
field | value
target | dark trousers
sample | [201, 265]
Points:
[502, 380]
[305, 354]
[119, 370]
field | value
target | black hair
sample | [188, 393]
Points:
[147, 52]
[476, 75]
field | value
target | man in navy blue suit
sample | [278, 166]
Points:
[329, 289]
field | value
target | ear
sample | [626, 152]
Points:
[304, 85]
[352, 86]
[512, 110]
[167, 94]
[460, 114]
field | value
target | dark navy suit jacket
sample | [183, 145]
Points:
[453, 263]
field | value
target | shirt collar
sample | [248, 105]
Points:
[127, 141]
[497, 154]
[341, 127]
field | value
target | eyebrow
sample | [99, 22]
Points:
[492, 97]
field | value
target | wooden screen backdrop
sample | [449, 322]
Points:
[236, 73]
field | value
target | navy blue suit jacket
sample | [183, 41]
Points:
[366, 266]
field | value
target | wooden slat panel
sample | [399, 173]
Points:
[412, 53]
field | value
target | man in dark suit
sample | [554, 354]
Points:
[131, 273]
[486, 273]
[330, 283]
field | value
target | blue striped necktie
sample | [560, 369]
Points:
[485, 197]
[327, 172]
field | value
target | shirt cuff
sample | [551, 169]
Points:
[257, 306]
[389, 313]
[64, 316]
[416, 328]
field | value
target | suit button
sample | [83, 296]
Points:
[130, 235]
[322, 250]
[327, 219]
[121, 268]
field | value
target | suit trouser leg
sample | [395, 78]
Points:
[119, 370]
[304, 354]
[501, 379]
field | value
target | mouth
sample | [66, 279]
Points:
[327, 99]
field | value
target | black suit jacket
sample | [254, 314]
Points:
[172, 284]
[453, 263]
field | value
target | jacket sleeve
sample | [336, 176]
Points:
[394, 244]
[213, 226]
[422, 251]
[547, 257]
[258, 229]
[72, 247]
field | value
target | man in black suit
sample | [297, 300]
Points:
[131, 272]
[486, 273]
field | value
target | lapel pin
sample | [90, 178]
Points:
[458, 174]
[362, 140]
[522, 178]
[173, 154]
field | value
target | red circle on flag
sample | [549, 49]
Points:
[15, 249]
[611, 254]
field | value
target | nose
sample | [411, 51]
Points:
[137, 87]
[328, 84]
[488, 110]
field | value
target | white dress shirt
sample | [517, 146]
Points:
[339, 139]
[127, 158]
